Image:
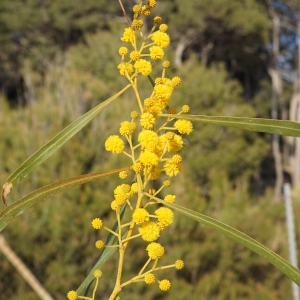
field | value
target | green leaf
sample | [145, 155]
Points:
[48, 149]
[253, 124]
[23, 204]
[243, 239]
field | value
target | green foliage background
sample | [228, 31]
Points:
[66, 55]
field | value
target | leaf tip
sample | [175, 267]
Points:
[7, 186]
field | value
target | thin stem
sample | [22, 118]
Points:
[124, 12]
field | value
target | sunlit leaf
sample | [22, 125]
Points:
[241, 238]
[23, 204]
[281, 127]
[48, 149]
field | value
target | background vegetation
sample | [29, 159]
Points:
[58, 59]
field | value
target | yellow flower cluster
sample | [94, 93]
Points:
[150, 141]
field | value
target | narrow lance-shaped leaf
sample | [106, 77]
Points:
[23, 204]
[49, 148]
[243, 239]
[281, 127]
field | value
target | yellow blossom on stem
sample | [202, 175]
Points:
[164, 285]
[98, 273]
[179, 264]
[156, 52]
[128, 35]
[167, 182]
[157, 20]
[123, 174]
[170, 198]
[149, 278]
[137, 167]
[165, 215]
[166, 64]
[149, 159]
[127, 128]
[140, 216]
[152, 3]
[147, 120]
[176, 80]
[72, 295]
[134, 114]
[137, 8]
[135, 187]
[155, 250]
[123, 51]
[143, 66]
[114, 144]
[97, 223]
[163, 27]
[125, 68]
[161, 39]
[135, 55]
[137, 24]
[99, 244]
[171, 168]
[183, 126]
[149, 231]
[185, 108]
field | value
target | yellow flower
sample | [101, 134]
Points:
[176, 80]
[149, 159]
[72, 295]
[155, 250]
[166, 64]
[156, 52]
[99, 244]
[171, 168]
[179, 264]
[137, 167]
[125, 68]
[147, 120]
[123, 174]
[149, 231]
[147, 136]
[167, 182]
[163, 93]
[134, 114]
[143, 66]
[114, 144]
[137, 8]
[184, 126]
[163, 27]
[140, 216]
[123, 51]
[135, 55]
[122, 189]
[146, 10]
[128, 35]
[164, 285]
[165, 215]
[137, 24]
[152, 3]
[97, 273]
[185, 108]
[149, 278]
[161, 39]
[134, 187]
[173, 145]
[177, 158]
[157, 20]
[127, 128]
[97, 223]
[170, 198]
